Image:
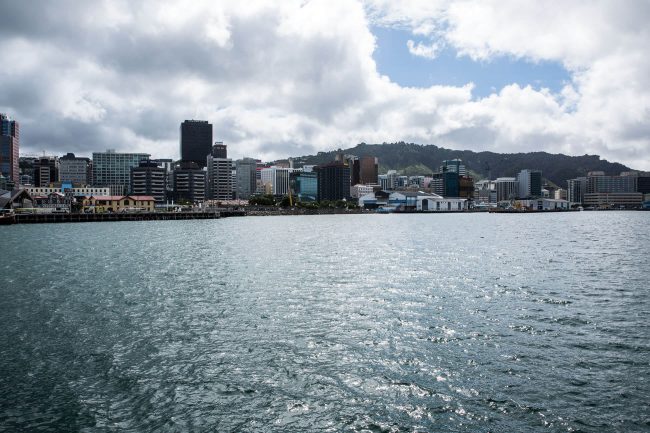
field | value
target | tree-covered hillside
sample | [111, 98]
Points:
[409, 158]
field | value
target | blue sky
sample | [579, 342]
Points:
[394, 60]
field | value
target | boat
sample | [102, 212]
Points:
[7, 216]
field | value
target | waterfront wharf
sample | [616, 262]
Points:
[35, 218]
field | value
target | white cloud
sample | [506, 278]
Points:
[423, 50]
[294, 77]
[602, 44]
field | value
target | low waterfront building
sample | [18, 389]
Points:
[54, 201]
[369, 201]
[375, 199]
[543, 204]
[606, 200]
[118, 203]
[407, 200]
[437, 203]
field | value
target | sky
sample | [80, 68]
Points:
[290, 78]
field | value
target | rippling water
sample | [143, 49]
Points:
[472, 322]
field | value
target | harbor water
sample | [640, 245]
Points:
[369, 323]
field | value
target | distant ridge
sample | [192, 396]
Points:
[410, 159]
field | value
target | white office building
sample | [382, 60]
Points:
[276, 180]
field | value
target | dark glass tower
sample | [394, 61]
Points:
[9, 145]
[333, 181]
[196, 141]
[369, 170]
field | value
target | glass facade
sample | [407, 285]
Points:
[196, 141]
[110, 168]
[9, 148]
[306, 186]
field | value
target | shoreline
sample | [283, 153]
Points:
[58, 218]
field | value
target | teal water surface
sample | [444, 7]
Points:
[391, 323]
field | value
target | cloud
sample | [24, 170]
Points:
[602, 44]
[295, 77]
[422, 50]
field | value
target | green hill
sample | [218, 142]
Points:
[409, 158]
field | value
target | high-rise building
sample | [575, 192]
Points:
[447, 184]
[246, 184]
[9, 148]
[113, 170]
[643, 184]
[333, 181]
[189, 182]
[304, 184]
[455, 166]
[597, 182]
[530, 184]
[46, 171]
[506, 188]
[465, 187]
[26, 166]
[354, 163]
[74, 169]
[275, 180]
[196, 141]
[219, 150]
[369, 170]
[168, 165]
[149, 178]
[402, 182]
[612, 191]
[388, 181]
[219, 173]
[576, 189]
[416, 181]
[485, 191]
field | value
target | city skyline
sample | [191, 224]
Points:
[294, 79]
